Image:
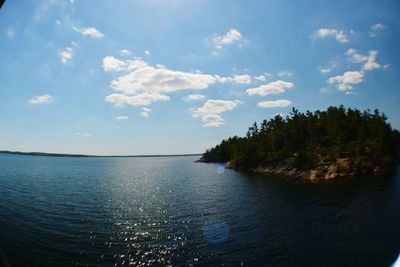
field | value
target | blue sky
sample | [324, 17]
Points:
[175, 76]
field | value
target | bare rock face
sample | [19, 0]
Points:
[315, 175]
[344, 164]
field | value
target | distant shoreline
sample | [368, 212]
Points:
[91, 156]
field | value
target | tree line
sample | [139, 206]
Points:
[364, 136]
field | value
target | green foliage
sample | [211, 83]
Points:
[365, 137]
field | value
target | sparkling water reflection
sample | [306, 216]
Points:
[171, 211]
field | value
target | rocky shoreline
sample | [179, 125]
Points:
[324, 170]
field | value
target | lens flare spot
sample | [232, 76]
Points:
[215, 232]
[221, 169]
[397, 262]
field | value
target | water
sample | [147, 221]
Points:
[171, 211]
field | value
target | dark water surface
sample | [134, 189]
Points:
[171, 211]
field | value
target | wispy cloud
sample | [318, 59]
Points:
[274, 104]
[10, 32]
[145, 112]
[41, 99]
[193, 97]
[376, 28]
[121, 118]
[329, 68]
[285, 73]
[125, 52]
[82, 134]
[91, 31]
[339, 35]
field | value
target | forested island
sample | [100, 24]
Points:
[337, 142]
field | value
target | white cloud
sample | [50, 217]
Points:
[274, 104]
[193, 97]
[212, 120]
[82, 134]
[91, 31]
[125, 52]
[354, 56]
[378, 26]
[285, 73]
[10, 32]
[65, 54]
[230, 37]
[113, 64]
[42, 99]
[339, 35]
[143, 99]
[145, 112]
[147, 52]
[369, 61]
[261, 78]
[210, 111]
[346, 81]
[327, 69]
[351, 93]
[141, 84]
[121, 118]
[271, 88]
[324, 90]
[241, 79]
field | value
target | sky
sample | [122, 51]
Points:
[178, 76]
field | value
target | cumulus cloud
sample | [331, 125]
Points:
[41, 99]
[210, 111]
[193, 97]
[82, 134]
[113, 64]
[142, 99]
[369, 61]
[147, 52]
[141, 84]
[121, 118]
[65, 54]
[91, 31]
[274, 104]
[145, 112]
[271, 88]
[346, 81]
[228, 38]
[339, 35]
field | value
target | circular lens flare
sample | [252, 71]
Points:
[215, 232]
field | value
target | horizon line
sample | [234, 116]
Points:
[30, 153]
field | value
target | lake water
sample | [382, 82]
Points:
[171, 211]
